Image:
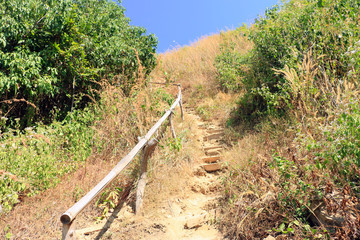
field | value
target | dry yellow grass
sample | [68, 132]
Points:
[121, 120]
[193, 66]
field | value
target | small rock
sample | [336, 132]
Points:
[196, 221]
[159, 227]
[330, 219]
[269, 238]
[126, 212]
[211, 159]
[213, 136]
[212, 147]
[199, 172]
[212, 152]
[198, 188]
[176, 209]
[212, 167]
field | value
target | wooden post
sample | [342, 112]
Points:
[181, 108]
[172, 125]
[68, 231]
[181, 104]
[68, 217]
[146, 153]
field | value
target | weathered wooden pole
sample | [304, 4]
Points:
[181, 103]
[69, 216]
[172, 125]
[181, 108]
[146, 153]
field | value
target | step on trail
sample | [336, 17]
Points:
[193, 210]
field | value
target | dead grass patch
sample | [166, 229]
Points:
[170, 168]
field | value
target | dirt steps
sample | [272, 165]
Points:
[191, 212]
[212, 148]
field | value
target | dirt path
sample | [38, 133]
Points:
[191, 212]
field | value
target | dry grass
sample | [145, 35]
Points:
[38, 217]
[274, 180]
[217, 108]
[193, 67]
[120, 120]
[252, 187]
[169, 168]
[313, 93]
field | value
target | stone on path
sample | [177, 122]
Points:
[213, 136]
[213, 131]
[218, 148]
[212, 153]
[195, 221]
[269, 238]
[212, 167]
[211, 159]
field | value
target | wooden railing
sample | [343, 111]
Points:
[147, 145]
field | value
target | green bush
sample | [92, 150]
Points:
[229, 67]
[303, 75]
[284, 37]
[53, 51]
[39, 157]
[231, 63]
[338, 148]
[319, 169]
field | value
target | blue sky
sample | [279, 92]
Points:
[176, 22]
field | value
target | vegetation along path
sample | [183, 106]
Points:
[190, 213]
[286, 88]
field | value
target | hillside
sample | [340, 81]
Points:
[281, 96]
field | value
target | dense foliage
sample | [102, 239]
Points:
[304, 70]
[52, 52]
[37, 159]
[56, 56]
[231, 61]
[291, 41]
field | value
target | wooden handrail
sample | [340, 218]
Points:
[68, 217]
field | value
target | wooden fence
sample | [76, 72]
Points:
[147, 145]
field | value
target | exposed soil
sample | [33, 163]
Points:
[190, 211]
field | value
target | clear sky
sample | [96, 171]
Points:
[181, 22]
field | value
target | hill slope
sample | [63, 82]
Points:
[285, 94]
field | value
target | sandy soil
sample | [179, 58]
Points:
[190, 210]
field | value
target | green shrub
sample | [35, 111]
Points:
[38, 158]
[338, 148]
[285, 36]
[53, 51]
[229, 67]
[231, 64]
[304, 72]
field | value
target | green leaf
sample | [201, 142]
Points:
[320, 3]
[282, 227]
